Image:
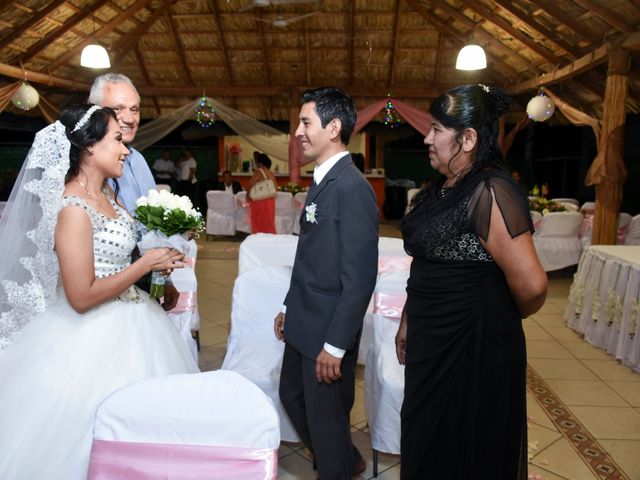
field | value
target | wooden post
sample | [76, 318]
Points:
[608, 172]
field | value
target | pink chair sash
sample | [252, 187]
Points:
[394, 264]
[187, 301]
[389, 304]
[113, 460]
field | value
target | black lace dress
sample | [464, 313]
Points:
[464, 410]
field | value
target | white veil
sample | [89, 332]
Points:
[29, 269]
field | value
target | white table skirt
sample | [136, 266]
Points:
[604, 301]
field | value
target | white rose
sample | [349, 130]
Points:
[152, 199]
[141, 201]
[545, 211]
[185, 204]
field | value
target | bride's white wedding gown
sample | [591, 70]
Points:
[63, 364]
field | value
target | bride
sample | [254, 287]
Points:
[73, 327]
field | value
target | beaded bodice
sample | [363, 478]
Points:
[113, 238]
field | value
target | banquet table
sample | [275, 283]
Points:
[604, 301]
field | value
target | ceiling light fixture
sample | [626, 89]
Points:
[471, 57]
[95, 55]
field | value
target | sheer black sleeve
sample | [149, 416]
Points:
[511, 201]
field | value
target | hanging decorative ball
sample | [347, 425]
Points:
[540, 107]
[391, 118]
[26, 97]
[205, 113]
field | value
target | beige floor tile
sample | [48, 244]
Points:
[609, 422]
[550, 319]
[626, 453]
[362, 442]
[586, 392]
[213, 335]
[630, 391]
[611, 369]
[561, 459]
[211, 357]
[550, 307]
[295, 467]
[563, 333]
[546, 349]
[540, 438]
[536, 415]
[535, 332]
[544, 474]
[563, 368]
[358, 413]
[392, 473]
[585, 351]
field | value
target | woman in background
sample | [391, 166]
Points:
[263, 212]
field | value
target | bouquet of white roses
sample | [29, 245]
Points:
[166, 217]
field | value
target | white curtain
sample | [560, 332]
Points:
[263, 137]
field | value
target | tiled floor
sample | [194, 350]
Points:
[597, 438]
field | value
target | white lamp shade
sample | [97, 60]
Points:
[95, 56]
[471, 57]
[26, 97]
[540, 108]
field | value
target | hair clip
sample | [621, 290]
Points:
[85, 118]
[484, 87]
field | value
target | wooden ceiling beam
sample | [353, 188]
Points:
[68, 25]
[550, 8]
[227, 64]
[113, 23]
[438, 65]
[178, 47]
[505, 26]
[146, 78]
[134, 36]
[17, 32]
[605, 14]
[307, 59]
[352, 39]
[265, 61]
[394, 47]
[537, 27]
[43, 79]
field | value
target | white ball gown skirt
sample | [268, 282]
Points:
[62, 366]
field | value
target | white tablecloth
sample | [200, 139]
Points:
[604, 301]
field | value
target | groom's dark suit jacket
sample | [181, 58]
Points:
[336, 263]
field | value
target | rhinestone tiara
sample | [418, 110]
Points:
[85, 118]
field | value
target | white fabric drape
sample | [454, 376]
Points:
[263, 137]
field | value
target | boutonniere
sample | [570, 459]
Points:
[311, 213]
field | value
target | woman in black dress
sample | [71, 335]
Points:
[474, 276]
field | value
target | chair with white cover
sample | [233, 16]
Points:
[557, 242]
[284, 213]
[252, 348]
[299, 199]
[536, 218]
[265, 249]
[572, 201]
[163, 186]
[624, 219]
[410, 194]
[243, 221]
[633, 232]
[588, 207]
[221, 212]
[188, 426]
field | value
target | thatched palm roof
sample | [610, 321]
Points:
[176, 50]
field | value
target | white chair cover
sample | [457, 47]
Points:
[633, 232]
[299, 199]
[536, 218]
[624, 219]
[243, 221]
[3, 204]
[572, 201]
[557, 241]
[252, 349]
[221, 210]
[163, 186]
[410, 194]
[262, 249]
[284, 213]
[588, 207]
[212, 409]
[185, 315]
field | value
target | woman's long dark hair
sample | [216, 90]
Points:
[93, 130]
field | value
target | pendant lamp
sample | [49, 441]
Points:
[471, 57]
[95, 55]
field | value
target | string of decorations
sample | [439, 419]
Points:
[391, 118]
[205, 113]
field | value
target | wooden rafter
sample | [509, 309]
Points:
[37, 18]
[132, 38]
[145, 77]
[307, 53]
[394, 45]
[265, 60]
[605, 14]
[438, 65]
[223, 44]
[541, 30]
[550, 8]
[491, 17]
[178, 47]
[113, 23]
[71, 22]
[352, 39]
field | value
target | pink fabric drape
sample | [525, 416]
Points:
[393, 264]
[113, 460]
[389, 305]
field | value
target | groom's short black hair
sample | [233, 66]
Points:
[332, 102]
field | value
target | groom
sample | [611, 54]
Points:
[333, 277]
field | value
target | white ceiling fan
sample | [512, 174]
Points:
[266, 3]
[282, 22]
